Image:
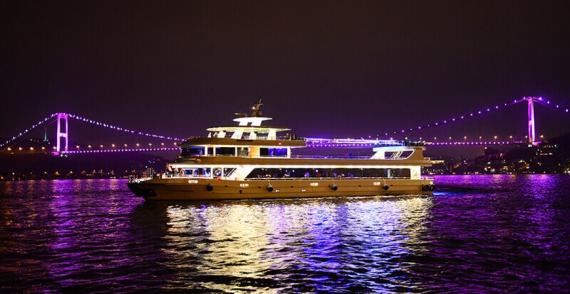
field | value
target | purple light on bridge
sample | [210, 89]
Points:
[62, 134]
[121, 150]
[531, 125]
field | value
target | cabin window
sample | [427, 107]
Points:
[330, 173]
[225, 151]
[273, 152]
[399, 173]
[210, 151]
[243, 151]
[197, 172]
[193, 151]
[228, 171]
[398, 155]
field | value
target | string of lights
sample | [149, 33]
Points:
[124, 146]
[25, 131]
[121, 150]
[478, 113]
[473, 143]
[456, 118]
[552, 105]
[125, 130]
[319, 142]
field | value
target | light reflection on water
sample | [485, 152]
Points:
[336, 243]
[494, 233]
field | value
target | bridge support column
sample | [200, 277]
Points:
[531, 125]
[62, 119]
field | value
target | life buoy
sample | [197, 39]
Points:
[209, 187]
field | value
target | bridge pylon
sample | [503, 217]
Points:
[62, 119]
[531, 122]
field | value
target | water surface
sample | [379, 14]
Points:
[493, 233]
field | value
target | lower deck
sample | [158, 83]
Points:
[211, 189]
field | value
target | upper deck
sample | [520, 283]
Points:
[247, 139]
[250, 142]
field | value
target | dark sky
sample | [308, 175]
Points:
[328, 68]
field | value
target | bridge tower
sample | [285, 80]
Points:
[531, 125]
[62, 119]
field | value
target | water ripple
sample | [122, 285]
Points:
[93, 235]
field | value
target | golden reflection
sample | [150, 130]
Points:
[247, 239]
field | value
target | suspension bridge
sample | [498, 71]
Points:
[171, 143]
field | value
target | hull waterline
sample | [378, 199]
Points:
[161, 189]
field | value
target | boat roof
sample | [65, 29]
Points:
[201, 141]
[262, 130]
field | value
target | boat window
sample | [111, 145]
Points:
[193, 151]
[210, 151]
[399, 173]
[273, 152]
[228, 171]
[329, 173]
[398, 154]
[203, 172]
[194, 172]
[225, 151]
[242, 151]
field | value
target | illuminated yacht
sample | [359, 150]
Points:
[253, 161]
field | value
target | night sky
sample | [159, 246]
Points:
[326, 68]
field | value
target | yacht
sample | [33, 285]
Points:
[252, 161]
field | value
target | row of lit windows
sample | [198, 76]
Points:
[233, 151]
[199, 172]
[330, 173]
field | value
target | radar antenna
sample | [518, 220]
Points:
[255, 110]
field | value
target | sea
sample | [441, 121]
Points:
[482, 233]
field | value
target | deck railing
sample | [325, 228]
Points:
[330, 157]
